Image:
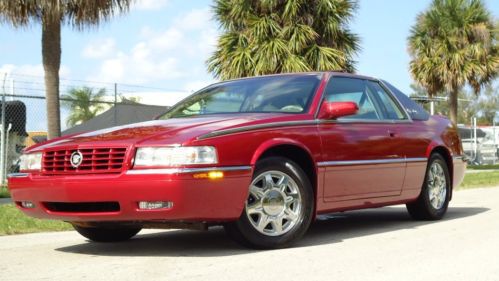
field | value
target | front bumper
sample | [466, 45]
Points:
[194, 199]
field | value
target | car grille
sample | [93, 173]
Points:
[95, 160]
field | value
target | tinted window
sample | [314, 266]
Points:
[287, 94]
[415, 110]
[341, 89]
[387, 104]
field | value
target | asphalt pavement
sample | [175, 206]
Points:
[379, 244]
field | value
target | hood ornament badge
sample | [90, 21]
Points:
[76, 159]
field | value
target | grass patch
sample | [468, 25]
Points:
[481, 179]
[4, 192]
[13, 221]
[484, 167]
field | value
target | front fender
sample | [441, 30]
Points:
[268, 144]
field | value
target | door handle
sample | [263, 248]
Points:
[392, 134]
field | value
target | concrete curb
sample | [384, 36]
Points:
[5, 201]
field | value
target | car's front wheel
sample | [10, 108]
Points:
[107, 234]
[279, 207]
[434, 199]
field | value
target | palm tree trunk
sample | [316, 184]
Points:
[453, 106]
[51, 53]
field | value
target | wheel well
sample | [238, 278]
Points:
[297, 155]
[448, 160]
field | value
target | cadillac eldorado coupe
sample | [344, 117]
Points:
[262, 156]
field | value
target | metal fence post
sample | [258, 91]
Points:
[115, 102]
[495, 141]
[2, 136]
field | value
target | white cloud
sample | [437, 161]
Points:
[194, 86]
[159, 98]
[30, 70]
[99, 49]
[167, 40]
[113, 69]
[195, 19]
[148, 5]
[208, 42]
[177, 51]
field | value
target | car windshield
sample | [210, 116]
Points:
[285, 94]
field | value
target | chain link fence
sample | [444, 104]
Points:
[480, 143]
[23, 112]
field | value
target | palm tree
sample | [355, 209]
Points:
[51, 14]
[452, 44]
[274, 36]
[83, 103]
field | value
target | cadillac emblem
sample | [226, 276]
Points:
[76, 159]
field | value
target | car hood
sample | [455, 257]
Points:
[171, 131]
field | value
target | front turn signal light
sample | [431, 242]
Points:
[212, 175]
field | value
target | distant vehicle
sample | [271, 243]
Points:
[485, 152]
[261, 156]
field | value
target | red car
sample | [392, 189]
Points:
[261, 156]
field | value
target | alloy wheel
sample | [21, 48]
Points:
[274, 204]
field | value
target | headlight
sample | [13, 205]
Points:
[175, 156]
[31, 162]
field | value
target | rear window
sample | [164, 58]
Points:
[415, 110]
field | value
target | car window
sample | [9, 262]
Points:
[388, 105]
[340, 89]
[415, 110]
[283, 94]
[216, 102]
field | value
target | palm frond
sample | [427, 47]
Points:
[273, 36]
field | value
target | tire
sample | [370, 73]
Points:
[279, 208]
[434, 198]
[106, 234]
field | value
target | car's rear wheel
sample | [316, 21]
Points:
[279, 207]
[433, 201]
[107, 234]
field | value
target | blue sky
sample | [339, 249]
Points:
[165, 43]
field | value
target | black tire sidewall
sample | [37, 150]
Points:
[253, 237]
[437, 213]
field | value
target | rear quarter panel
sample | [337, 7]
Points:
[447, 137]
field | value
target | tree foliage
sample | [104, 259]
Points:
[274, 36]
[83, 103]
[453, 44]
[484, 108]
[51, 14]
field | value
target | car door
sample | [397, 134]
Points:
[361, 155]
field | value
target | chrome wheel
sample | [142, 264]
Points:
[437, 185]
[274, 204]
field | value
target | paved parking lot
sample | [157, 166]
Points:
[380, 244]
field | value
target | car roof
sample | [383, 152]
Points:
[337, 73]
[351, 75]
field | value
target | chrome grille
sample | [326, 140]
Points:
[95, 160]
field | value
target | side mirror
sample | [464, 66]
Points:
[335, 110]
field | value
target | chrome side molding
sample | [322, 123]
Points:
[173, 171]
[370, 162]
